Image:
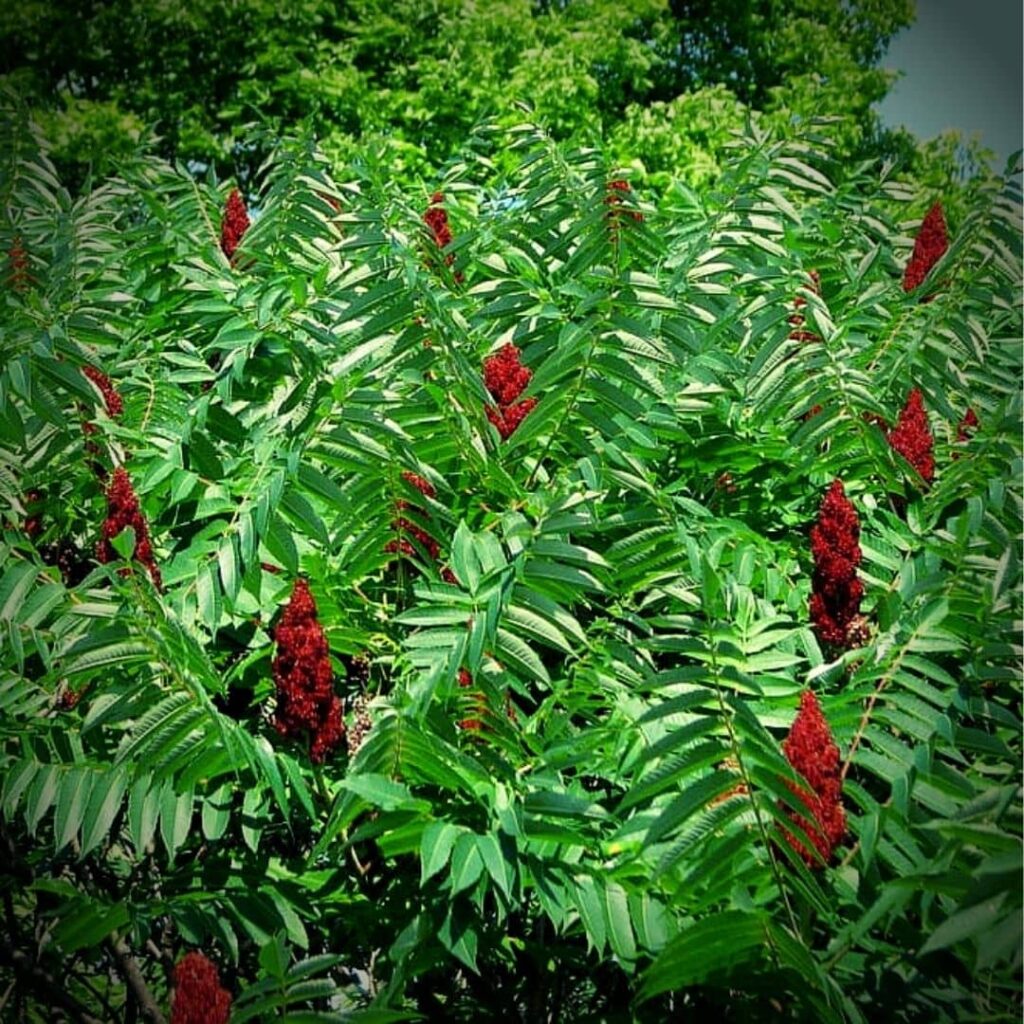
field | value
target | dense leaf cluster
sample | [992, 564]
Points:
[665, 81]
[622, 835]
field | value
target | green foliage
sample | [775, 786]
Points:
[630, 599]
[684, 138]
[418, 76]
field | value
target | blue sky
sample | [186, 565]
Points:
[962, 64]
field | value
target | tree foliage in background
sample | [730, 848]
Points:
[419, 75]
[562, 793]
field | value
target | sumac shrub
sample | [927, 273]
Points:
[525, 755]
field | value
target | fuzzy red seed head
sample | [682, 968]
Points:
[111, 398]
[967, 426]
[616, 193]
[504, 375]
[810, 750]
[402, 546]
[436, 218]
[803, 335]
[70, 698]
[33, 522]
[515, 414]
[307, 706]
[836, 590]
[929, 247]
[17, 259]
[912, 438]
[123, 511]
[506, 379]
[508, 418]
[473, 724]
[424, 486]
[234, 224]
[329, 733]
[198, 995]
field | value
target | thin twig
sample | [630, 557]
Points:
[371, 982]
[163, 956]
[360, 867]
[132, 974]
[865, 718]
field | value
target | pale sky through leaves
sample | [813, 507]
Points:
[962, 69]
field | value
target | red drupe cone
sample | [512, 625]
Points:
[422, 484]
[507, 418]
[810, 750]
[33, 524]
[504, 376]
[474, 724]
[17, 259]
[402, 546]
[436, 218]
[198, 996]
[836, 590]
[234, 224]
[617, 192]
[929, 247]
[506, 379]
[404, 526]
[123, 510]
[967, 426]
[307, 706]
[912, 438]
[111, 398]
[330, 730]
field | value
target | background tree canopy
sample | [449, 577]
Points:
[663, 83]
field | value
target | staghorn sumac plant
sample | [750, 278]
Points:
[544, 746]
